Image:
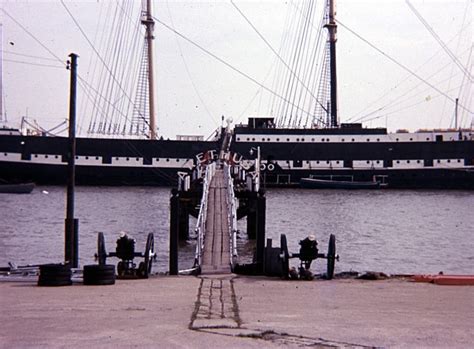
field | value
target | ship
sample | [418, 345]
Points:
[289, 151]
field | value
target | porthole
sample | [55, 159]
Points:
[5, 154]
[77, 157]
[248, 139]
[337, 162]
[378, 161]
[368, 139]
[396, 139]
[327, 161]
[368, 161]
[297, 139]
[317, 162]
[312, 139]
[238, 138]
[322, 140]
[278, 139]
[87, 158]
[342, 140]
[378, 139]
[438, 161]
[46, 156]
[302, 139]
[263, 139]
[97, 158]
[36, 155]
[128, 159]
[459, 160]
[427, 139]
[253, 139]
[116, 159]
[417, 161]
[398, 161]
[408, 161]
[56, 156]
[167, 160]
[353, 139]
[268, 139]
[411, 139]
[287, 139]
[177, 160]
[449, 160]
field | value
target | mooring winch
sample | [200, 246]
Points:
[125, 251]
[308, 252]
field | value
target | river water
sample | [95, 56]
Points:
[390, 231]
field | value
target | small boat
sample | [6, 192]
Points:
[17, 188]
[313, 183]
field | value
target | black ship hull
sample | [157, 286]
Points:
[428, 160]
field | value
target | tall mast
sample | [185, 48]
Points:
[332, 29]
[149, 24]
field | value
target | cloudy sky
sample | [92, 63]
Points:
[193, 90]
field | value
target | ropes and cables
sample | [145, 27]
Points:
[230, 66]
[403, 66]
[440, 42]
[188, 72]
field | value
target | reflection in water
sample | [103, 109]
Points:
[390, 231]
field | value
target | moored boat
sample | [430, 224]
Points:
[16, 188]
[314, 183]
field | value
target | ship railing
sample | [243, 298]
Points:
[200, 229]
[231, 212]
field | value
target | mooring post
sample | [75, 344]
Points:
[71, 250]
[174, 231]
[260, 227]
[183, 221]
[251, 217]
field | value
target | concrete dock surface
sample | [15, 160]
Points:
[236, 312]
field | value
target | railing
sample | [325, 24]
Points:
[200, 229]
[232, 212]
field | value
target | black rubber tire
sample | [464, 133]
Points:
[101, 252]
[149, 253]
[97, 274]
[331, 257]
[285, 257]
[55, 275]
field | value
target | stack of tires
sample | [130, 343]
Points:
[99, 274]
[55, 275]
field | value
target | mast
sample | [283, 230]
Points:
[332, 29]
[149, 24]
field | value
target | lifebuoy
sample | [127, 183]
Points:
[271, 167]
[262, 167]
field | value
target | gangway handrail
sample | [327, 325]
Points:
[201, 221]
[232, 212]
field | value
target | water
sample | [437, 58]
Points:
[389, 231]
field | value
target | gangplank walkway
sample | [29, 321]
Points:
[217, 251]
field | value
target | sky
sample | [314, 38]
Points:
[413, 89]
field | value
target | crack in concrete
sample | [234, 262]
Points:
[216, 311]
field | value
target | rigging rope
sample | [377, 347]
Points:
[403, 66]
[223, 62]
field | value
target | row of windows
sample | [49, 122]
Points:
[97, 158]
[315, 140]
[377, 161]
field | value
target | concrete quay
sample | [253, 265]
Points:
[236, 312]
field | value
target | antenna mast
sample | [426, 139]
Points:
[149, 23]
[332, 29]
